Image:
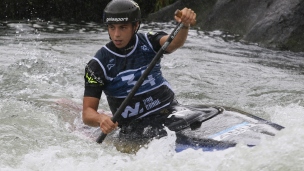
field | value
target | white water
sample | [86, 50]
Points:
[43, 63]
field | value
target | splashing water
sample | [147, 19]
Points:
[40, 66]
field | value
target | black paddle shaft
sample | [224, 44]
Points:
[142, 78]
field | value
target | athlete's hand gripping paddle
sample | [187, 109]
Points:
[144, 75]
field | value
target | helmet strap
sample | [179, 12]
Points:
[134, 24]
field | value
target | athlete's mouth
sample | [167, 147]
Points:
[118, 41]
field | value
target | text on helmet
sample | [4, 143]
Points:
[117, 19]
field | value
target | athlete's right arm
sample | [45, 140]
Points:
[91, 117]
[93, 88]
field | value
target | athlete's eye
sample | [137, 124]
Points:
[111, 27]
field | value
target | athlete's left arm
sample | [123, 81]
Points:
[188, 17]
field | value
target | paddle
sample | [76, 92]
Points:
[144, 75]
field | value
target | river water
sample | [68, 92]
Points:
[41, 79]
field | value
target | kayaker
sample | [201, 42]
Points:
[116, 67]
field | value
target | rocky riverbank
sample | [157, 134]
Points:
[275, 24]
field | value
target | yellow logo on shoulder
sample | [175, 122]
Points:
[90, 79]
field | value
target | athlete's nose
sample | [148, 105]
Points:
[116, 32]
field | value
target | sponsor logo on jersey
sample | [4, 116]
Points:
[132, 111]
[110, 66]
[151, 103]
[91, 77]
[144, 48]
[129, 48]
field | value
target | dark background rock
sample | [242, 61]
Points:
[270, 23]
[201, 7]
[282, 26]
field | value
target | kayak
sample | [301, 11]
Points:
[219, 128]
[200, 127]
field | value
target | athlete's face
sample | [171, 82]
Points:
[121, 34]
